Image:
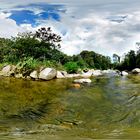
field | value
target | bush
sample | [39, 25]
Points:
[71, 67]
[28, 63]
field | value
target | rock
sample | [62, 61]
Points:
[72, 75]
[19, 75]
[80, 81]
[124, 73]
[60, 75]
[47, 74]
[76, 85]
[64, 73]
[136, 71]
[8, 70]
[97, 73]
[87, 74]
[34, 74]
[85, 70]
[110, 72]
[28, 77]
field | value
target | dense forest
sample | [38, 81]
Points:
[42, 48]
[130, 61]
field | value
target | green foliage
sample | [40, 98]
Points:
[28, 63]
[32, 50]
[71, 67]
[94, 60]
[5, 47]
[131, 61]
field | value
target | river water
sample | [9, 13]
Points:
[108, 108]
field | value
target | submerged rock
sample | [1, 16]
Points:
[76, 85]
[136, 71]
[47, 74]
[80, 81]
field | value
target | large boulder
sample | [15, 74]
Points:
[47, 74]
[8, 70]
[81, 81]
[136, 71]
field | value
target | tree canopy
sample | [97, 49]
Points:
[43, 46]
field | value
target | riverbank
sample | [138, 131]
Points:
[45, 73]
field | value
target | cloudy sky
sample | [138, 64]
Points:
[104, 26]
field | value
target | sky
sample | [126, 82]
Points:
[103, 26]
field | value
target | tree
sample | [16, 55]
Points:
[138, 59]
[47, 36]
[129, 61]
[42, 45]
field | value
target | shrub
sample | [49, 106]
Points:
[28, 63]
[71, 67]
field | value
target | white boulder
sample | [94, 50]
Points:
[8, 70]
[110, 72]
[124, 73]
[136, 71]
[47, 74]
[64, 73]
[97, 73]
[72, 75]
[34, 74]
[87, 74]
[80, 81]
[60, 75]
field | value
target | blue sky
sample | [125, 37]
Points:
[104, 26]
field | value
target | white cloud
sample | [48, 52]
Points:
[8, 26]
[86, 25]
[97, 33]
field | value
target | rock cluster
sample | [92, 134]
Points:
[51, 73]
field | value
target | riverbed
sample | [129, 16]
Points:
[108, 108]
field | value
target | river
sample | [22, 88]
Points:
[108, 108]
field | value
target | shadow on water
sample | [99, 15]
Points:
[108, 108]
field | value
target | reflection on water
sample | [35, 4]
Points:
[107, 108]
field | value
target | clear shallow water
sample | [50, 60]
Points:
[109, 108]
